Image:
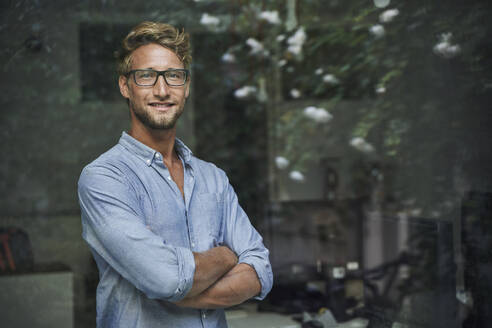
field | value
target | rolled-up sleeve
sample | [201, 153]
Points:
[245, 241]
[114, 228]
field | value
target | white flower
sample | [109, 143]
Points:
[294, 49]
[444, 48]
[298, 38]
[380, 90]
[270, 16]
[322, 116]
[330, 79]
[228, 58]
[308, 111]
[319, 115]
[362, 145]
[318, 71]
[294, 93]
[296, 176]
[377, 30]
[296, 41]
[256, 46]
[209, 20]
[281, 162]
[440, 48]
[282, 62]
[381, 3]
[447, 50]
[244, 92]
[388, 15]
[280, 37]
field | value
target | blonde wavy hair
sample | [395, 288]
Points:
[153, 32]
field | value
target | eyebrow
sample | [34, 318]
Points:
[164, 69]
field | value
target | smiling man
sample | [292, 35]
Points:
[172, 244]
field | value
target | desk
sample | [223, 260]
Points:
[246, 316]
[37, 300]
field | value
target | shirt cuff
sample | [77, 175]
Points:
[186, 272]
[264, 272]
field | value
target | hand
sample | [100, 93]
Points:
[210, 266]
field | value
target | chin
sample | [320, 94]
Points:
[153, 125]
[165, 121]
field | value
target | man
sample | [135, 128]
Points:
[172, 245]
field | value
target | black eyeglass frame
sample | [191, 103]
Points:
[159, 73]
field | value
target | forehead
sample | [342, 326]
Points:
[154, 56]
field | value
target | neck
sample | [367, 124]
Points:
[159, 140]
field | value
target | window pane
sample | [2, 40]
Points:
[355, 133]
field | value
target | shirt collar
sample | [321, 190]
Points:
[147, 154]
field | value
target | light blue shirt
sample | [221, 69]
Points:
[142, 234]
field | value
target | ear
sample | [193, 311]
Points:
[187, 88]
[123, 83]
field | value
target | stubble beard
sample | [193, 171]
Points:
[156, 123]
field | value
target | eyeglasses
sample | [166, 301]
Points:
[148, 77]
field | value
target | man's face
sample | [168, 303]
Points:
[159, 106]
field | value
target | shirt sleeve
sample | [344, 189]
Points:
[114, 228]
[245, 241]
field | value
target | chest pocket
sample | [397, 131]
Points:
[167, 220]
[207, 218]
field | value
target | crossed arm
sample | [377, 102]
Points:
[114, 231]
[219, 281]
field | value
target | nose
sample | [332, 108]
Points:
[161, 88]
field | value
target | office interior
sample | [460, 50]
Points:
[356, 134]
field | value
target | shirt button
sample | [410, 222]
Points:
[204, 315]
[156, 155]
[148, 161]
[192, 244]
[169, 177]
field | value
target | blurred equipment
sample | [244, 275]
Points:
[418, 287]
[247, 316]
[38, 296]
[41, 299]
[324, 319]
[15, 251]
[476, 219]
[319, 262]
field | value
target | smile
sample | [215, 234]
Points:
[162, 105]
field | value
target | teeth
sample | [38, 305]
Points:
[161, 105]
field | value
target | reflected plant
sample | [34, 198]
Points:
[417, 74]
[302, 60]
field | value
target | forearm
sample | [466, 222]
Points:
[238, 285]
[210, 266]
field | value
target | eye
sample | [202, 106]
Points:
[175, 75]
[146, 74]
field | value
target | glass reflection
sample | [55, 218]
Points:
[356, 134]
